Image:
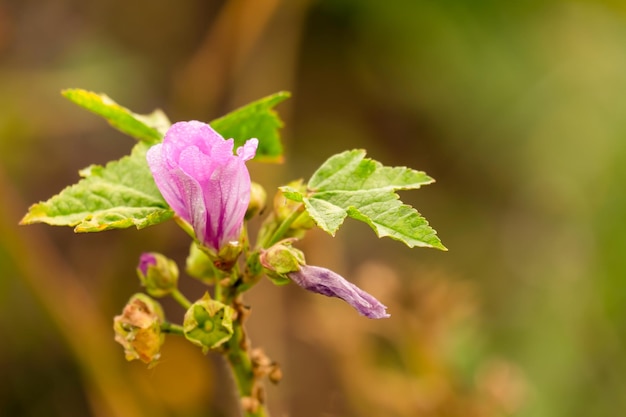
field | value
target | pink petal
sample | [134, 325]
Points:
[203, 182]
[331, 284]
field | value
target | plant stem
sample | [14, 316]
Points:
[185, 226]
[284, 227]
[167, 327]
[238, 356]
[181, 299]
[217, 289]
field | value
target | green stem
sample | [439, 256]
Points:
[238, 356]
[254, 268]
[284, 227]
[185, 226]
[217, 292]
[167, 327]
[181, 299]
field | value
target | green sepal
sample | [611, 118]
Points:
[199, 265]
[277, 279]
[208, 323]
[149, 128]
[348, 184]
[281, 259]
[116, 196]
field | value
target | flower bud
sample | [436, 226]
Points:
[326, 282]
[258, 198]
[281, 259]
[138, 329]
[157, 273]
[228, 254]
[283, 207]
[208, 323]
[199, 265]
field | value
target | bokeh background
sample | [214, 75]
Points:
[518, 109]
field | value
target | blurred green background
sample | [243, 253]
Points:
[516, 108]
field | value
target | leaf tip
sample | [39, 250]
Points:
[71, 93]
[33, 215]
[67, 91]
[441, 247]
[284, 93]
[24, 220]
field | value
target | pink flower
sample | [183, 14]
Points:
[326, 282]
[203, 181]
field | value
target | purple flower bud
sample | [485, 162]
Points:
[204, 183]
[146, 260]
[157, 273]
[326, 282]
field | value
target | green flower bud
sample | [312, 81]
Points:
[138, 329]
[157, 273]
[281, 259]
[208, 323]
[303, 222]
[227, 256]
[283, 207]
[258, 198]
[199, 265]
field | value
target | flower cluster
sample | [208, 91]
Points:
[209, 187]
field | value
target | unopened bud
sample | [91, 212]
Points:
[208, 323]
[199, 265]
[281, 259]
[157, 273]
[331, 284]
[284, 207]
[138, 329]
[224, 260]
[250, 404]
[258, 198]
[275, 375]
[228, 254]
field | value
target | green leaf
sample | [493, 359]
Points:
[116, 196]
[255, 120]
[348, 184]
[148, 128]
[123, 193]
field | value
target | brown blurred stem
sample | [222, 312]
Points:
[224, 50]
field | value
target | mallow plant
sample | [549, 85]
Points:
[196, 174]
